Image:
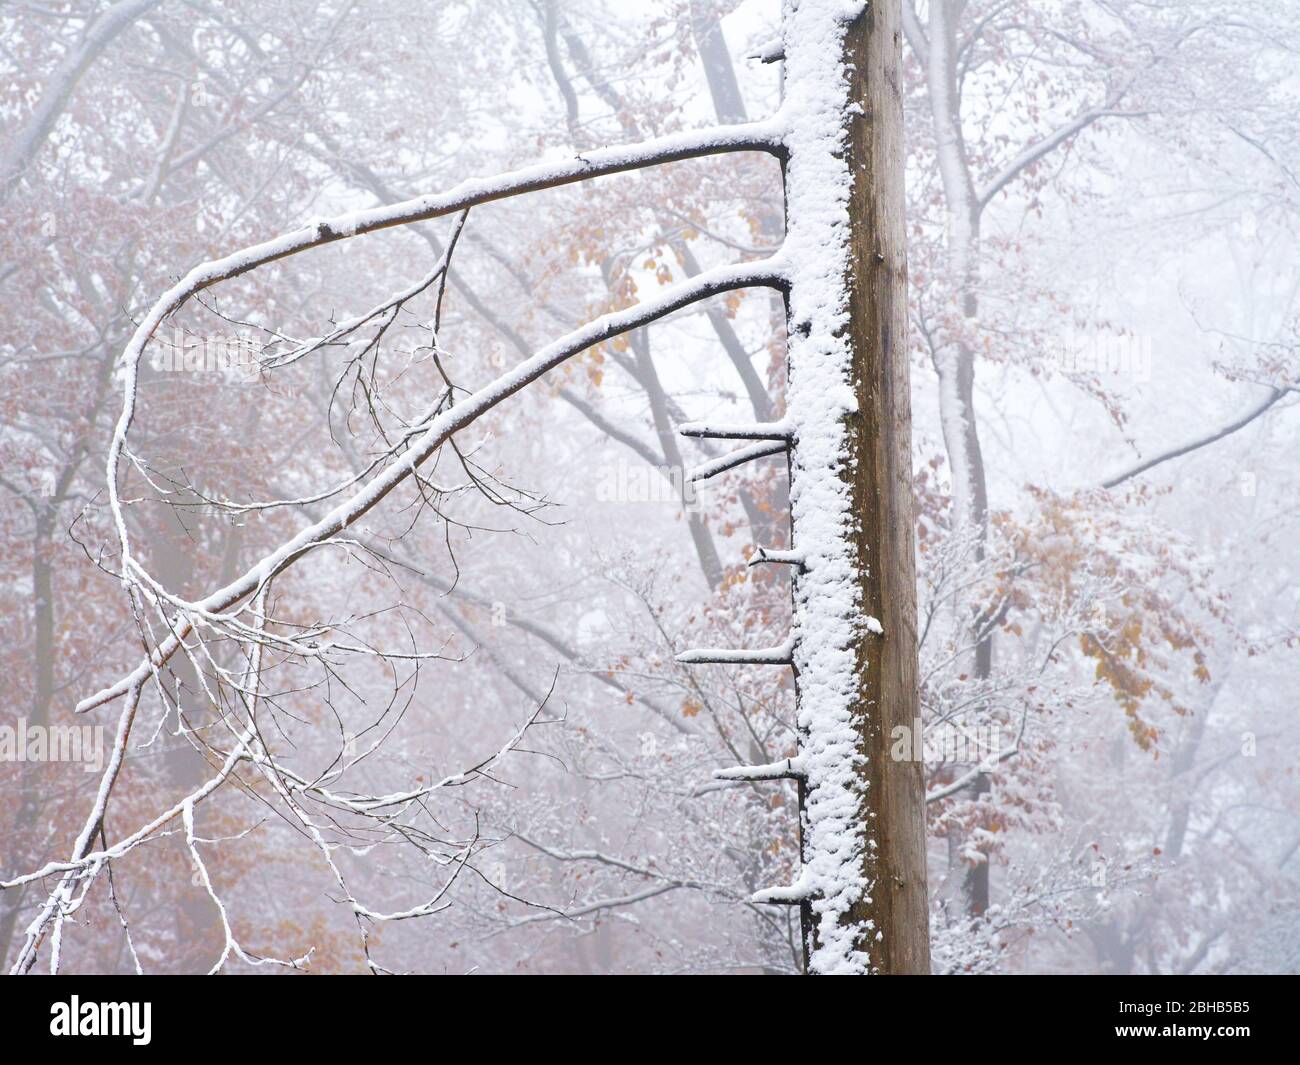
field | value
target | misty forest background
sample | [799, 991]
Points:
[1103, 200]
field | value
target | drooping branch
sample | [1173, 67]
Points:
[365, 177]
[762, 136]
[432, 436]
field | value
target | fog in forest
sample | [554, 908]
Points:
[452, 733]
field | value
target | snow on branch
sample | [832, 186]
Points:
[660, 883]
[778, 557]
[766, 136]
[785, 769]
[1045, 146]
[1216, 435]
[968, 778]
[784, 895]
[766, 656]
[778, 430]
[733, 459]
[387, 815]
[771, 52]
[238, 610]
[436, 432]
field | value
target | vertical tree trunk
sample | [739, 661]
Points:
[863, 887]
[22, 831]
[712, 46]
[954, 362]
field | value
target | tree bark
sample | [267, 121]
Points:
[889, 919]
[882, 482]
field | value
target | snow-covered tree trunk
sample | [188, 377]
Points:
[862, 888]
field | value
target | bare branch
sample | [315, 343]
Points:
[436, 433]
[97, 36]
[1046, 145]
[1204, 441]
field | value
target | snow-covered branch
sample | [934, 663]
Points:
[757, 136]
[1045, 146]
[765, 656]
[732, 459]
[737, 430]
[777, 557]
[785, 769]
[1212, 437]
[432, 436]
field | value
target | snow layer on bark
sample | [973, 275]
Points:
[827, 616]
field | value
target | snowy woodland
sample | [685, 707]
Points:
[396, 463]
